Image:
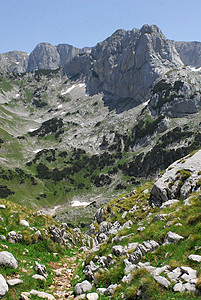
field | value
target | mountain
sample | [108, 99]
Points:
[44, 56]
[125, 65]
[72, 138]
[190, 53]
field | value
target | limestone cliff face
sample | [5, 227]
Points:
[48, 56]
[190, 53]
[14, 61]
[126, 64]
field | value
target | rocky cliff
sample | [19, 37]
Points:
[190, 53]
[125, 65]
[14, 61]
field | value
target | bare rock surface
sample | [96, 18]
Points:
[7, 259]
[175, 182]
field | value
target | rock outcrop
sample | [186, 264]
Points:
[179, 180]
[125, 65]
[190, 53]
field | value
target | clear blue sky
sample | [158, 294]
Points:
[25, 23]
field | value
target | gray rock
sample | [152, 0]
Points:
[158, 271]
[3, 286]
[189, 274]
[141, 228]
[82, 287]
[104, 227]
[2, 237]
[178, 287]
[124, 214]
[169, 185]
[99, 216]
[42, 295]
[14, 237]
[40, 269]
[89, 270]
[2, 206]
[118, 250]
[185, 50]
[131, 246]
[162, 281]
[24, 223]
[169, 203]
[172, 237]
[92, 296]
[128, 224]
[39, 277]
[142, 249]
[110, 290]
[195, 257]
[7, 259]
[127, 279]
[13, 282]
[125, 65]
[175, 274]
[101, 291]
[189, 287]
[102, 237]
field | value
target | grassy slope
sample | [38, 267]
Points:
[174, 255]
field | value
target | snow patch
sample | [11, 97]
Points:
[32, 129]
[194, 69]
[59, 106]
[72, 87]
[17, 95]
[37, 150]
[76, 203]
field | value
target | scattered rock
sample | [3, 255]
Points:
[40, 269]
[14, 237]
[3, 286]
[141, 228]
[118, 250]
[7, 259]
[101, 291]
[92, 296]
[175, 274]
[99, 215]
[82, 287]
[127, 279]
[2, 237]
[178, 287]
[142, 249]
[40, 295]
[162, 281]
[169, 203]
[172, 237]
[24, 223]
[2, 206]
[110, 290]
[195, 257]
[39, 277]
[13, 282]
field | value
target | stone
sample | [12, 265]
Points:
[101, 291]
[13, 282]
[82, 287]
[40, 269]
[127, 225]
[178, 287]
[195, 257]
[175, 274]
[158, 271]
[82, 296]
[169, 203]
[7, 259]
[3, 286]
[2, 206]
[42, 295]
[129, 268]
[118, 250]
[2, 237]
[104, 227]
[131, 246]
[110, 290]
[189, 274]
[162, 281]
[189, 287]
[162, 190]
[24, 223]
[172, 237]
[92, 296]
[102, 237]
[124, 214]
[141, 228]
[39, 277]
[14, 237]
[99, 215]
[127, 279]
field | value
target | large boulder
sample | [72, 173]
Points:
[3, 286]
[82, 287]
[7, 259]
[179, 180]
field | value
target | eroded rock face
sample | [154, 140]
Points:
[179, 180]
[126, 64]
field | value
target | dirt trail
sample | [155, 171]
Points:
[64, 271]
